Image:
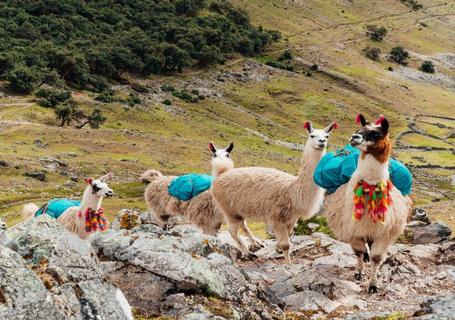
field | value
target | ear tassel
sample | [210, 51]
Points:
[379, 120]
[307, 125]
[334, 125]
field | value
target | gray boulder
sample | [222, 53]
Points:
[437, 308]
[50, 273]
[432, 233]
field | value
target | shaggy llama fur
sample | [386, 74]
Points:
[372, 168]
[271, 195]
[92, 198]
[199, 210]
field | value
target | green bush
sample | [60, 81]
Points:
[51, 97]
[399, 55]
[23, 79]
[167, 88]
[167, 102]
[427, 66]
[279, 65]
[105, 96]
[286, 55]
[372, 53]
[133, 99]
[376, 33]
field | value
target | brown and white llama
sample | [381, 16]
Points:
[199, 210]
[87, 218]
[369, 210]
[273, 196]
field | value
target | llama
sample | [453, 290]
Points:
[86, 218]
[200, 210]
[352, 212]
[273, 196]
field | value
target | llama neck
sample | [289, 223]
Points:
[371, 170]
[89, 200]
[306, 194]
[221, 165]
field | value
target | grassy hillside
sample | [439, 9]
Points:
[259, 107]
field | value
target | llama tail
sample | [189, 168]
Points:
[221, 165]
[150, 175]
[29, 210]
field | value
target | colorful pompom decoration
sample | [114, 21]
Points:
[373, 200]
[307, 125]
[358, 118]
[379, 120]
[95, 220]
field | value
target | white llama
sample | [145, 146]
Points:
[273, 196]
[87, 218]
[369, 210]
[199, 210]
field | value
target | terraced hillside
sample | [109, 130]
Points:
[259, 107]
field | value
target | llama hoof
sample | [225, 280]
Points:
[278, 250]
[358, 276]
[249, 256]
[254, 247]
[372, 289]
[366, 257]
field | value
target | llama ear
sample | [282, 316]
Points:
[360, 119]
[212, 147]
[89, 181]
[382, 121]
[230, 147]
[308, 126]
[330, 127]
[106, 176]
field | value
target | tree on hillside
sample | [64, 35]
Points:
[68, 112]
[376, 33]
[94, 120]
[399, 55]
[51, 97]
[23, 79]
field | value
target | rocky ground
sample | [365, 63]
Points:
[180, 273]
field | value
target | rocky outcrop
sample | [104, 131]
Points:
[180, 273]
[48, 273]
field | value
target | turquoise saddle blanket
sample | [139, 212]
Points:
[335, 169]
[188, 186]
[56, 207]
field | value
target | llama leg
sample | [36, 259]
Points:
[256, 244]
[291, 225]
[378, 254]
[283, 243]
[234, 225]
[358, 246]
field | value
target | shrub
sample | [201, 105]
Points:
[133, 99]
[427, 66]
[167, 88]
[183, 95]
[139, 87]
[286, 55]
[51, 97]
[372, 53]
[399, 55]
[195, 92]
[376, 33]
[314, 67]
[279, 65]
[167, 102]
[105, 96]
[23, 79]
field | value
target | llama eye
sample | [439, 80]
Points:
[312, 136]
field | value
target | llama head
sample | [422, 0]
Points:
[3, 226]
[99, 187]
[318, 138]
[220, 153]
[373, 138]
